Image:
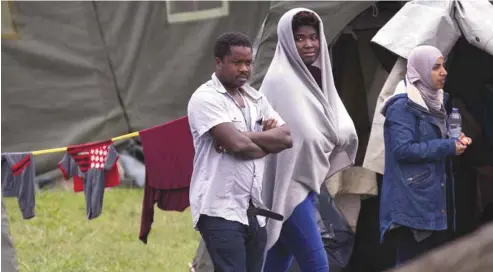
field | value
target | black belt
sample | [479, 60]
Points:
[254, 211]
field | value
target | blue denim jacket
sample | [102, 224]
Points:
[415, 179]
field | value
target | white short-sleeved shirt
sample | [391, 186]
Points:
[222, 185]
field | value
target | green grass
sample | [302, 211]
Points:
[60, 238]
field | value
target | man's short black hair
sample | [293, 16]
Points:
[305, 18]
[222, 46]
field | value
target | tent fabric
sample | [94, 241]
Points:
[347, 67]
[54, 92]
[374, 75]
[374, 157]
[157, 64]
[476, 23]
[350, 206]
[445, 22]
[353, 181]
[420, 22]
[469, 75]
[88, 71]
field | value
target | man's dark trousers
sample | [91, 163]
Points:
[232, 246]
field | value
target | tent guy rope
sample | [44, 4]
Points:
[62, 149]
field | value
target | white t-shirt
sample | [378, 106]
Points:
[222, 185]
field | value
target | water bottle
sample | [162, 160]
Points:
[454, 124]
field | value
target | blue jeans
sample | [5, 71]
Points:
[232, 246]
[300, 238]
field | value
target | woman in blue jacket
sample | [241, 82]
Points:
[413, 208]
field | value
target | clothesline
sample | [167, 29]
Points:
[97, 162]
[62, 149]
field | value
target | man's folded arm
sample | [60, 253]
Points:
[274, 140]
[230, 139]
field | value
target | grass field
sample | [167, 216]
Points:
[60, 238]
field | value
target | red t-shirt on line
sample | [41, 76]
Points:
[168, 153]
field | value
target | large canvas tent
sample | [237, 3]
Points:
[74, 72]
[90, 70]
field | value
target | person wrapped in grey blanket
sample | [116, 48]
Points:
[299, 85]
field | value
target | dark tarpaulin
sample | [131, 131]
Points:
[57, 87]
[80, 69]
[158, 65]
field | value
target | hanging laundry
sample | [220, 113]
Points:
[18, 173]
[168, 154]
[93, 167]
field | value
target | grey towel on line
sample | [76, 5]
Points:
[18, 173]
